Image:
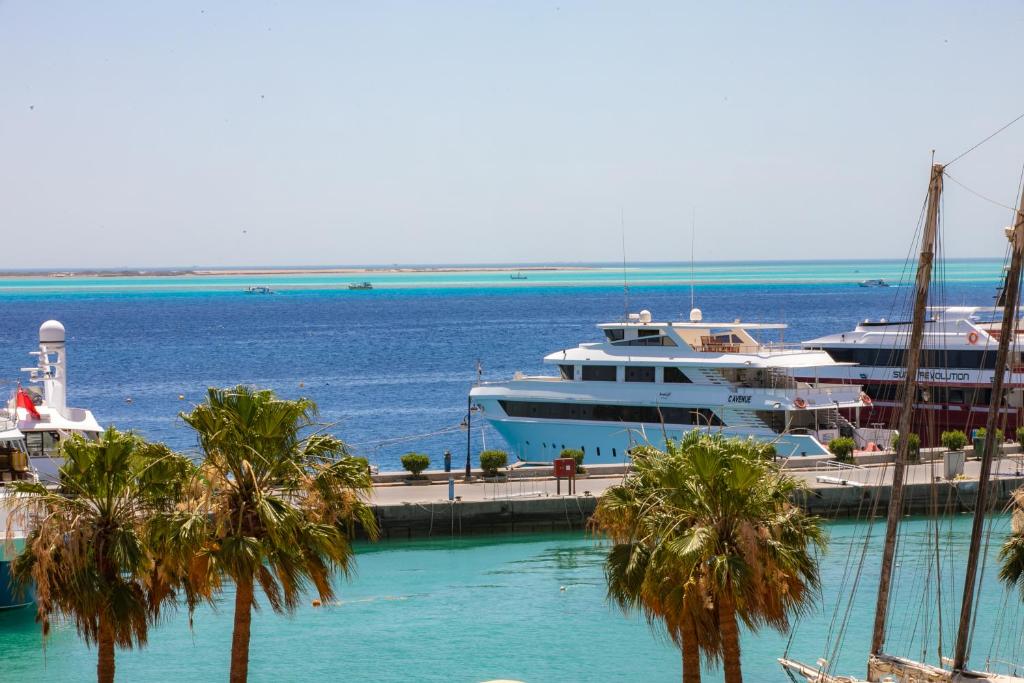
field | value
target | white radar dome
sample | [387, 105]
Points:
[645, 316]
[696, 316]
[51, 332]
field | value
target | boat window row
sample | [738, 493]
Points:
[930, 358]
[610, 413]
[931, 394]
[631, 373]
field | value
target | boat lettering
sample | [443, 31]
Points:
[935, 375]
[739, 399]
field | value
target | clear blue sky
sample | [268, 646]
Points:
[153, 134]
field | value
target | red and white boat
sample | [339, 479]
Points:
[955, 376]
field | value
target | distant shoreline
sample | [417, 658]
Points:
[221, 272]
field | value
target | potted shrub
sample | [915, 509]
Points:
[577, 455]
[415, 463]
[1020, 435]
[954, 440]
[914, 452]
[979, 440]
[953, 458]
[492, 460]
[842, 447]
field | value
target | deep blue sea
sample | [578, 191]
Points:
[390, 368]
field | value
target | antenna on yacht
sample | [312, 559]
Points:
[695, 314]
[625, 283]
[693, 238]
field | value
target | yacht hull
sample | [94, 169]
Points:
[604, 443]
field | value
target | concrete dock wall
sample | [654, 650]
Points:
[561, 513]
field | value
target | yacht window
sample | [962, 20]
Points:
[567, 371]
[39, 443]
[615, 335]
[599, 373]
[610, 413]
[674, 375]
[639, 374]
[650, 338]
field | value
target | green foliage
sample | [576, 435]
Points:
[842, 447]
[954, 440]
[1020, 435]
[577, 455]
[415, 463]
[696, 532]
[980, 434]
[915, 444]
[89, 548]
[274, 506]
[493, 460]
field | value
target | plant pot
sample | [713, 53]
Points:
[953, 463]
[979, 447]
[416, 481]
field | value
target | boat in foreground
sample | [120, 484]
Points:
[648, 381]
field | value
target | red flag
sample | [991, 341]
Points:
[23, 400]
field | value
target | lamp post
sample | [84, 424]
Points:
[469, 438]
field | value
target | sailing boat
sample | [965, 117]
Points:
[887, 667]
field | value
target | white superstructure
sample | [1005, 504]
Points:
[648, 380]
[50, 420]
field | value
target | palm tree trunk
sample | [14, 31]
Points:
[105, 661]
[730, 638]
[691, 655]
[240, 634]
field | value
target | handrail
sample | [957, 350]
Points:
[7, 420]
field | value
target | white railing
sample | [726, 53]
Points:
[7, 421]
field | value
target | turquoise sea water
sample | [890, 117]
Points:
[526, 607]
[718, 273]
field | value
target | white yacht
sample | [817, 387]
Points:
[648, 380]
[40, 413]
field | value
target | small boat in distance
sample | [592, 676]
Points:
[360, 285]
[258, 289]
[873, 283]
[518, 276]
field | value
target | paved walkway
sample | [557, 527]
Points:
[541, 487]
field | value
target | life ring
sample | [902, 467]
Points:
[865, 399]
[972, 338]
[800, 403]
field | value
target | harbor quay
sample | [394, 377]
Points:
[530, 499]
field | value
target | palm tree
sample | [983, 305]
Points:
[275, 505]
[87, 548]
[704, 536]
[1011, 555]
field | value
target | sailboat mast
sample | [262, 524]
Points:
[924, 276]
[1007, 336]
